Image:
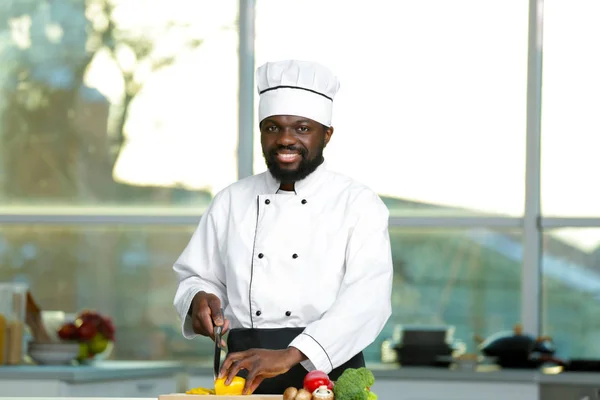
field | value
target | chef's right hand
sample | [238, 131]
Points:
[206, 314]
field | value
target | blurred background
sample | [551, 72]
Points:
[120, 120]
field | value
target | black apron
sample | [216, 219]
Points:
[279, 339]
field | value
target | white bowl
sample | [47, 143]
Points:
[54, 346]
[53, 353]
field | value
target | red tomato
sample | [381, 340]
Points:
[315, 379]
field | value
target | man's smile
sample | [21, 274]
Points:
[288, 157]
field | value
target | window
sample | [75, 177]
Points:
[570, 104]
[127, 105]
[467, 278]
[571, 290]
[113, 108]
[119, 123]
[431, 109]
[122, 271]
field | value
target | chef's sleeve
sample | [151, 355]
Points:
[363, 305]
[199, 267]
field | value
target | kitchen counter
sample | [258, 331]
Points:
[148, 379]
[486, 382]
[103, 371]
[486, 374]
[79, 398]
[482, 374]
[111, 370]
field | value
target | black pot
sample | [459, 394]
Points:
[427, 355]
[513, 349]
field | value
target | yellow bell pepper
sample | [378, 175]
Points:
[200, 390]
[236, 387]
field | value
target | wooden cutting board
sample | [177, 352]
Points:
[183, 396]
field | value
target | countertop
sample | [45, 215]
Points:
[77, 398]
[482, 374]
[101, 371]
[109, 370]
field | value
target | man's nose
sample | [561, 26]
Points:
[286, 137]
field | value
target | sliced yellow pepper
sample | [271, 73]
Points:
[200, 390]
[236, 387]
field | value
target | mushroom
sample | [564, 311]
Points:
[322, 393]
[290, 393]
[303, 394]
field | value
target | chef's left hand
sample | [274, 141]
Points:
[260, 364]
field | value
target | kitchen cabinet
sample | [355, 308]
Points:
[454, 390]
[126, 388]
[106, 379]
[111, 388]
[570, 392]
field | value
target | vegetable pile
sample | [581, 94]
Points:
[353, 384]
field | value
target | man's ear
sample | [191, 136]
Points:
[328, 134]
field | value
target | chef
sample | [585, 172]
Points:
[298, 257]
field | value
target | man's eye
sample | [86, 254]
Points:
[271, 128]
[303, 129]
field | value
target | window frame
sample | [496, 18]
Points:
[532, 222]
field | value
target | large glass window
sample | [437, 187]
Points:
[570, 106]
[120, 108]
[122, 271]
[467, 278]
[431, 110]
[120, 102]
[571, 290]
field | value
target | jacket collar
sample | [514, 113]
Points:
[303, 186]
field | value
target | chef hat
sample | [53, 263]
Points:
[292, 87]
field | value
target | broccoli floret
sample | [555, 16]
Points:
[354, 384]
[349, 391]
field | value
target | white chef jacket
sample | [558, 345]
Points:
[318, 257]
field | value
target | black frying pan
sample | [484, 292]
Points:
[514, 349]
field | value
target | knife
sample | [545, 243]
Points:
[217, 359]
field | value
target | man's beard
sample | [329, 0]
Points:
[305, 168]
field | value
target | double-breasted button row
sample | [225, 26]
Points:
[287, 313]
[267, 201]
[261, 255]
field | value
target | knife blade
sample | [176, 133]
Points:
[217, 358]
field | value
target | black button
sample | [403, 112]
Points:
[295, 255]
[258, 313]
[260, 255]
[267, 201]
[288, 313]
[303, 201]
